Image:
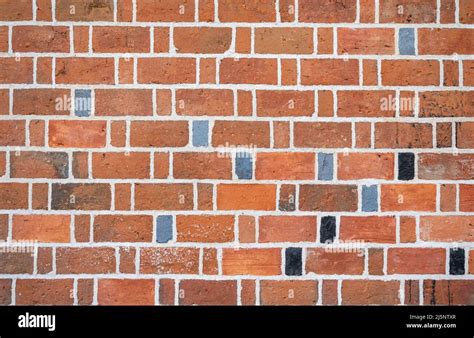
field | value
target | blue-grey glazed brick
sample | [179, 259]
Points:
[457, 257]
[243, 166]
[82, 102]
[406, 41]
[164, 228]
[200, 133]
[327, 231]
[370, 198]
[293, 262]
[325, 167]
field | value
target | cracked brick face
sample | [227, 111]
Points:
[237, 152]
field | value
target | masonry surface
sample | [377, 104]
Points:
[237, 152]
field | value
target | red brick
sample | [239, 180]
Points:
[466, 197]
[330, 292]
[248, 71]
[448, 292]
[446, 166]
[320, 261]
[466, 10]
[16, 10]
[408, 11]
[293, 292]
[123, 102]
[169, 260]
[202, 40]
[77, 196]
[240, 133]
[322, 135]
[77, 134]
[126, 292]
[354, 166]
[260, 262]
[204, 102]
[121, 165]
[159, 134]
[292, 166]
[123, 228]
[206, 10]
[207, 72]
[46, 164]
[289, 72]
[118, 133]
[89, 260]
[416, 261]
[410, 72]
[366, 41]
[376, 261]
[246, 197]
[325, 40]
[408, 232]
[331, 11]
[14, 196]
[125, 10]
[365, 103]
[464, 132]
[285, 103]
[370, 292]
[444, 135]
[166, 291]
[247, 11]
[12, 262]
[451, 73]
[247, 229]
[367, 11]
[284, 40]
[81, 39]
[14, 70]
[47, 102]
[4, 102]
[446, 41]
[201, 165]
[247, 292]
[42, 39]
[281, 134]
[85, 10]
[164, 196]
[165, 11]
[328, 197]
[243, 40]
[40, 198]
[82, 225]
[85, 71]
[447, 229]
[408, 197]
[403, 135]
[329, 72]
[5, 291]
[162, 163]
[166, 70]
[121, 40]
[210, 261]
[42, 228]
[287, 229]
[205, 228]
[207, 292]
[44, 292]
[373, 229]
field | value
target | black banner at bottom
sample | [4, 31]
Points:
[369, 321]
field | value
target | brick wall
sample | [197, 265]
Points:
[237, 151]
